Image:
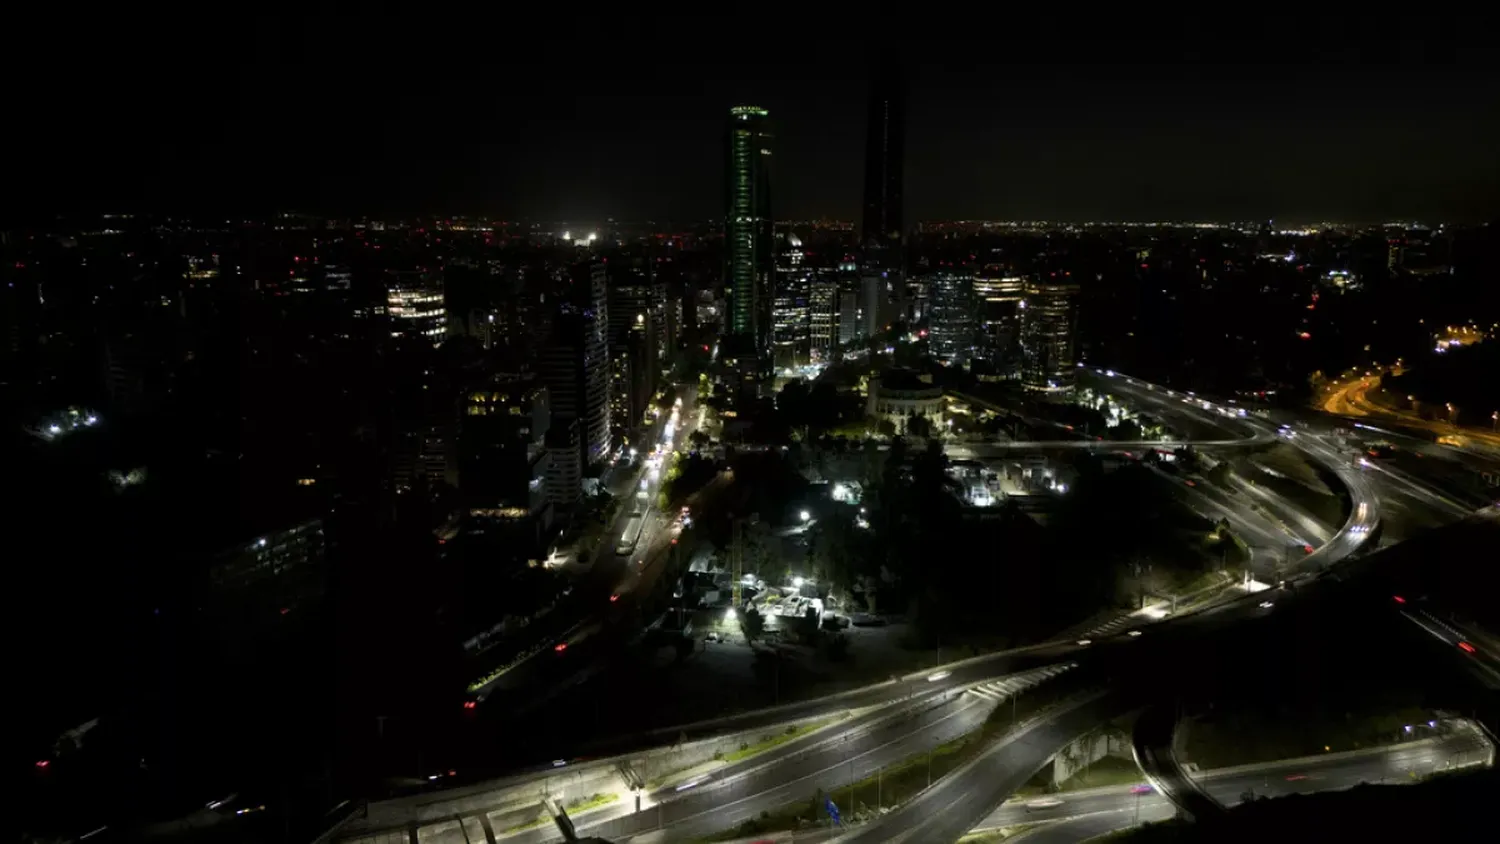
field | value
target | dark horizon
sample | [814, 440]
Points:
[338, 116]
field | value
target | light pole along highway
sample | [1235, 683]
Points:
[1060, 730]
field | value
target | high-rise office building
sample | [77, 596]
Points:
[883, 233]
[575, 362]
[749, 241]
[883, 230]
[848, 318]
[997, 300]
[873, 292]
[564, 482]
[823, 317]
[951, 316]
[414, 303]
[792, 329]
[634, 289]
[502, 455]
[1048, 345]
[632, 362]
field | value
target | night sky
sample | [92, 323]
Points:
[573, 118]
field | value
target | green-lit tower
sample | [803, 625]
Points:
[749, 243]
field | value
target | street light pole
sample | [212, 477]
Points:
[851, 785]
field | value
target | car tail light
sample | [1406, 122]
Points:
[560, 647]
[1468, 648]
[1398, 599]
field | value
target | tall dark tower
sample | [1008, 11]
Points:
[749, 244]
[884, 232]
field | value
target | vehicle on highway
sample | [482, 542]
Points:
[1142, 788]
[630, 537]
[1044, 803]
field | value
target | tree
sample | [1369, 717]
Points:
[699, 439]
[919, 425]
[1126, 431]
[751, 624]
[886, 428]
[835, 549]
[1220, 473]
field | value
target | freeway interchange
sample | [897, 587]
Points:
[885, 723]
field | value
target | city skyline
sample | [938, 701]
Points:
[431, 427]
[1149, 129]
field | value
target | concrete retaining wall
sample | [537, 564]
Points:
[499, 798]
[1087, 750]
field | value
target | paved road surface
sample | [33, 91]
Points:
[957, 803]
[1085, 814]
[971, 795]
[724, 798]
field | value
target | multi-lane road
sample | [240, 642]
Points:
[969, 796]
[1352, 398]
[1080, 815]
[611, 573]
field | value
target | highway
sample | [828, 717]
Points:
[611, 573]
[960, 801]
[956, 802]
[972, 792]
[913, 716]
[968, 795]
[1351, 398]
[1362, 520]
[988, 451]
[704, 806]
[1084, 814]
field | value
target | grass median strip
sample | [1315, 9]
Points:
[767, 742]
[893, 786]
[991, 836]
[899, 782]
[1111, 770]
[574, 807]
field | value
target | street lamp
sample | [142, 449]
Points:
[806, 516]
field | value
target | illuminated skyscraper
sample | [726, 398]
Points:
[997, 299]
[823, 316]
[1048, 347]
[883, 232]
[790, 314]
[952, 316]
[414, 303]
[749, 242]
[575, 362]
